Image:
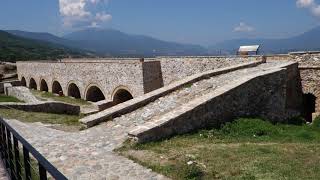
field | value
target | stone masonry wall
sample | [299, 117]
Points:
[152, 76]
[107, 75]
[176, 68]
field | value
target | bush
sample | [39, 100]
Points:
[250, 127]
[316, 122]
[297, 121]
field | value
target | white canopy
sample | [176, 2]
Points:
[253, 48]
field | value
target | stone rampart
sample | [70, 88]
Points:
[267, 94]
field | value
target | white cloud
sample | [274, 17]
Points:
[103, 16]
[83, 13]
[313, 7]
[305, 3]
[243, 27]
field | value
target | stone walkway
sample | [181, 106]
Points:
[89, 154]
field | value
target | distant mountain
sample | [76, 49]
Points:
[40, 36]
[112, 42]
[309, 40]
[13, 48]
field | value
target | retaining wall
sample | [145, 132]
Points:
[46, 107]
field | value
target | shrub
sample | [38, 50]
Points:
[316, 122]
[250, 127]
[297, 121]
[190, 172]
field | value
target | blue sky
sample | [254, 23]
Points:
[202, 22]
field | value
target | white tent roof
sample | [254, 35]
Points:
[253, 48]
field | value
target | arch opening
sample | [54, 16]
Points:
[94, 94]
[56, 88]
[74, 91]
[23, 81]
[121, 96]
[33, 84]
[309, 106]
[43, 86]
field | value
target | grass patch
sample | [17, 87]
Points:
[69, 120]
[5, 98]
[244, 149]
[65, 99]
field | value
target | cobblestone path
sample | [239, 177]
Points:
[89, 154]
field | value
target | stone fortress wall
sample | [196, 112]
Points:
[113, 75]
[137, 77]
[107, 76]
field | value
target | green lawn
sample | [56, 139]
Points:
[244, 149]
[4, 98]
[66, 99]
[68, 120]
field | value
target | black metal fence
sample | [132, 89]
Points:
[15, 153]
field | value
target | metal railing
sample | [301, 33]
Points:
[15, 153]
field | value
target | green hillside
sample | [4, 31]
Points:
[14, 48]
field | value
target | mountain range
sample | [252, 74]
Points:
[13, 48]
[307, 41]
[110, 42]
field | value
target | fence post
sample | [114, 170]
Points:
[42, 172]
[10, 154]
[27, 163]
[17, 157]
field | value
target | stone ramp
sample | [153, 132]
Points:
[258, 91]
[141, 101]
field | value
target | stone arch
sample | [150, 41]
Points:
[44, 85]
[94, 94]
[56, 87]
[74, 91]
[33, 84]
[121, 94]
[23, 81]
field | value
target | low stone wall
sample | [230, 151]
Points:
[266, 95]
[13, 83]
[22, 93]
[46, 107]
